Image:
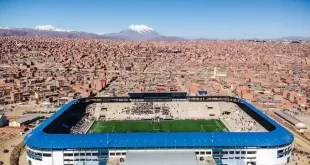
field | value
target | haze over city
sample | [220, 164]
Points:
[155, 82]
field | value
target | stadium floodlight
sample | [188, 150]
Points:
[205, 144]
[52, 152]
[92, 146]
[115, 145]
[136, 144]
[175, 144]
[74, 152]
[108, 139]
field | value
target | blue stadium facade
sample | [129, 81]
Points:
[61, 147]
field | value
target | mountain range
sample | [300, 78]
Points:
[133, 32]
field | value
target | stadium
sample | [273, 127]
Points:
[159, 128]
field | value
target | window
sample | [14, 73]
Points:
[96, 154]
[112, 154]
[68, 159]
[202, 153]
[118, 154]
[68, 154]
[197, 153]
[251, 152]
[124, 153]
[237, 157]
[208, 153]
[237, 152]
[216, 152]
[38, 159]
[82, 154]
[88, 154]
[280, 151]
[47, 155]
[76, 154]
[231, 152]
[243, 152]
[104, 154]
[224, 152]
[38, 154]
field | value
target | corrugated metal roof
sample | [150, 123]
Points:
[160, 158]
[27, 118]
[39, 139]
[288, 117]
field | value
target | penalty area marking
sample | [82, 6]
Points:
[99, 128]
[208, 126]
[219, 125]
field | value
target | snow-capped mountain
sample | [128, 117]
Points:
[140, 33]
[51, 28]
[141, 29]
[46, 31]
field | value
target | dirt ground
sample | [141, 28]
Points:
[5, 157]
[19, 109]
[23, 159]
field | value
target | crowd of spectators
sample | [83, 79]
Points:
[241, 122]
[85, 123]
[147, 108]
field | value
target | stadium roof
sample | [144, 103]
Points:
[160, 158]
[141, 95]
[277, 137]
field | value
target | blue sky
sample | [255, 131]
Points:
[225, 19]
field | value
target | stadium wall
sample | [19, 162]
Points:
[230, 156]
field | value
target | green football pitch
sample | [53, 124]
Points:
[161, 126]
